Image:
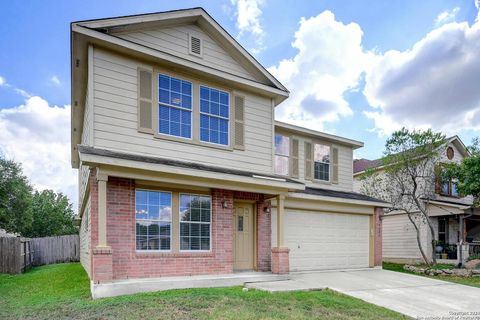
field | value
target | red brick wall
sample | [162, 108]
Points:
[378, 237]
[280, 260]
[122, 261]
[264, 237]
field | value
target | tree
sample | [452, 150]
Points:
[467, 173]
[15, 198]
[52, 215]
[407, 179]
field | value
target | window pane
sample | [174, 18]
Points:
[214, 118]
[321, 153]
[445, 187]
[281, 165]
[205, 243]
[322, 171]
[282, 145]
[454, 189]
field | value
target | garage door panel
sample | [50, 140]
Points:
[319, 240]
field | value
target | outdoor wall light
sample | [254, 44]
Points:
[267, 209]
[224, 204]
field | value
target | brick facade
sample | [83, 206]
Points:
[377, 259]
[280, 260]
[121, 260]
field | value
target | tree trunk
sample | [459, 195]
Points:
[432, 231]
[419, 241]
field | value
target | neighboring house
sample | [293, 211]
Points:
[454, 220]
[183, 169]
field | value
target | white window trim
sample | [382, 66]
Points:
[171, 221]
[173, 106]
[212, 115]
[275, 154]
[180, 223]
[329, 163]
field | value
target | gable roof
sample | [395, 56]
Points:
[100, 32]
[360, 165]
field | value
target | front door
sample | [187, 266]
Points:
[243, 236]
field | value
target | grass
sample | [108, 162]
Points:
[472, 281]
[62, 292]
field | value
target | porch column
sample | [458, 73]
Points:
[102, 266]
[102, 209]
[280, 254]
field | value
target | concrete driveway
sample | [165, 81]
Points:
[414, 296]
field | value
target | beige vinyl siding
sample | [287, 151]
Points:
[399, 238]
[85, 236]
[175, 40]
[345, 167]
[115, 121]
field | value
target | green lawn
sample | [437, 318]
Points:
[472, 281]
[62, 292]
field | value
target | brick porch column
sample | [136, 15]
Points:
[102, 265]
[280, 254]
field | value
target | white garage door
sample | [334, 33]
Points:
[322, 241]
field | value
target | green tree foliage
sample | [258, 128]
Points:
[407, 179]
[467, 173]
[52, 215]
[37, 214]
[15, 198]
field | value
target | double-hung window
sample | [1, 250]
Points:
[282, 153]
[214, 115]
[321, 160]
[153, 215]
[195, 220]
[174, 107]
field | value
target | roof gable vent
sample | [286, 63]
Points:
[195, 45]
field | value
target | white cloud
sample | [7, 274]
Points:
[433, 84]
[2, 81]
[248, 14]
[38, 136]
[329, 62]
[55, 80]
[446, 16]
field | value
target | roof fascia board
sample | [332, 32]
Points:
[95, 160]
[297, 195]
[280, 95]
[317, 134]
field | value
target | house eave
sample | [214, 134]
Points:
[299, 195]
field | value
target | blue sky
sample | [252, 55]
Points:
[359, 69]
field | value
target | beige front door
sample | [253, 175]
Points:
[243, 236]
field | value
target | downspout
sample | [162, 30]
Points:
[462, 235]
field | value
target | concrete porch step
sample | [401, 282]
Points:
[132, 286]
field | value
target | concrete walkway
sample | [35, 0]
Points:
[414, 296]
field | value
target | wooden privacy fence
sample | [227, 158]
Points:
[18, 254]
[15, 254]
[50, 250]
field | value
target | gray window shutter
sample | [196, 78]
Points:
[294, 158]
[334, 165]
[145, 100]
[308, 161]
[239, 123]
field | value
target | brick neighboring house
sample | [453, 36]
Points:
[183, 169]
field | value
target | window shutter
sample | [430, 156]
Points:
[334, 165]
[145, 101]
[308, 161]
[294, 158]
[239, 123]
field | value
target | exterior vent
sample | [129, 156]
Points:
[195, 46]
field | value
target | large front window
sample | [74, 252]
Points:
[321, 158]
[153, 215]
[174, 107]
[195, 220]
[282, 153]
[214, 115]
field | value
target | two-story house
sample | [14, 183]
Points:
[183, 170]
[456, 224]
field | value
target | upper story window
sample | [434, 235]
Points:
[282, 153]
[153, 216]
[448, 187]
[214, 115]
[175, 107]
[321, 161]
